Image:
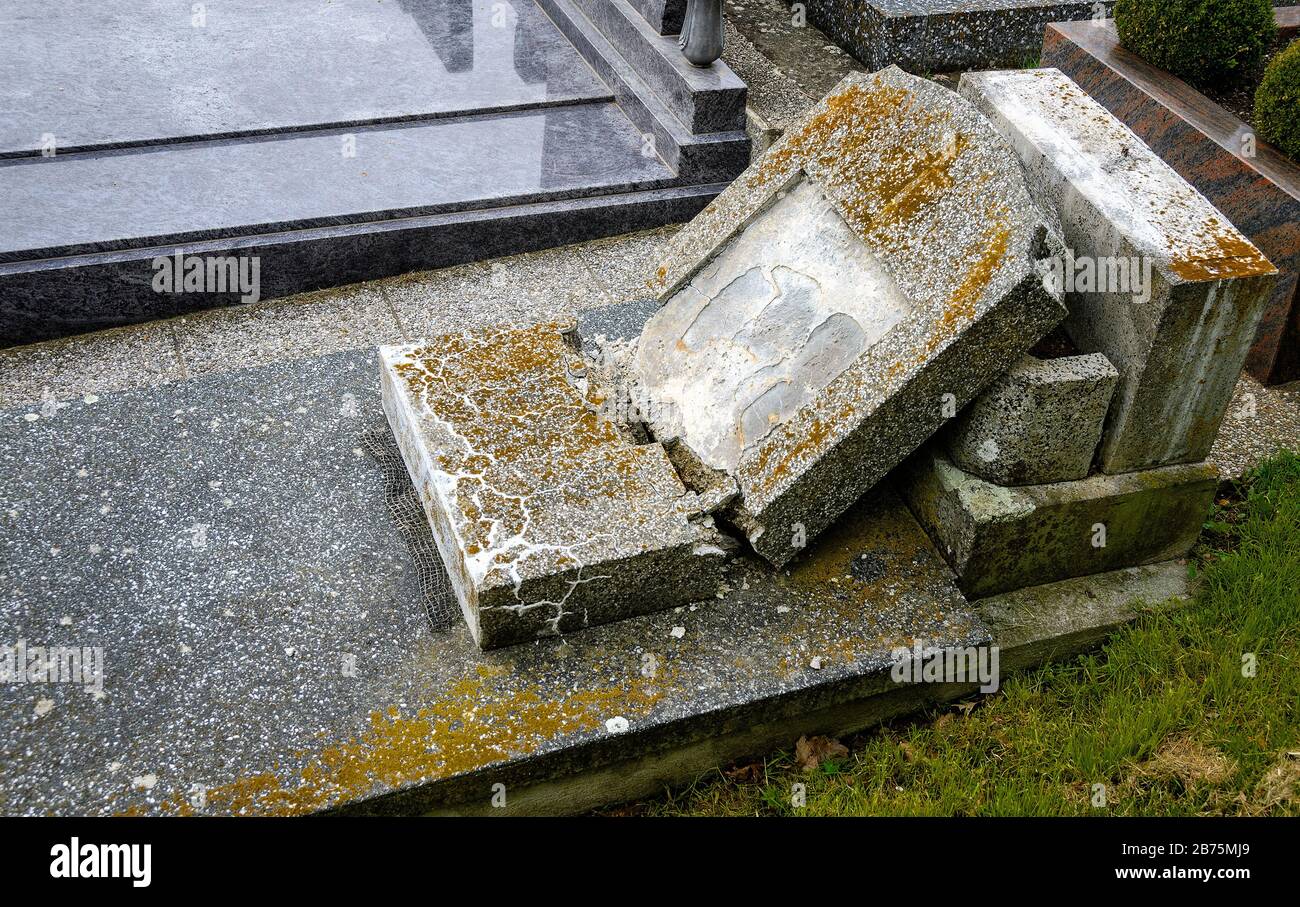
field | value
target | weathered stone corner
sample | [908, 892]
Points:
[547, 517]
[835, 305]
[1039, 423]
[998, 539]
[1155, 277]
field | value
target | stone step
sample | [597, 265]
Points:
[705, 100]
[709, 157]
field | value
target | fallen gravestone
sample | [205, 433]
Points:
[866, 278]
[1155, 277]
[1158, 283]
[547, 518]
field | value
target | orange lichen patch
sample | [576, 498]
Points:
[811, 444]
[516, 423]
[873, 150]
[478, 721]
[1233, 256]
[987, 256]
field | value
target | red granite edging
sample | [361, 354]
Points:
[1201, 140]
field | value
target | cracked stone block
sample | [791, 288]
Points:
[1039, 423]
[547, 518]
[843, 298]
[997, 539]
[1154, 276]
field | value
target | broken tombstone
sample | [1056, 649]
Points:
[842, 299]
[1040, 422]
[1154, 277]
[547, 517]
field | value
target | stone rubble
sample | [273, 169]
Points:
[1155, 277]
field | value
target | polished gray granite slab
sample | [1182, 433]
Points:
[230, 544]
[106, 200]
[125, 72]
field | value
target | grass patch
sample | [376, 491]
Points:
[1164, 715]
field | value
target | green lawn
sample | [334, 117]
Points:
[1164, 716]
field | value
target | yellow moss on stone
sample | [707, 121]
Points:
[479, 720]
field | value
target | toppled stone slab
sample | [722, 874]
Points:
[1155, 277]
[998, 539]
[856, 286]
[1038, 423]
[547, 517]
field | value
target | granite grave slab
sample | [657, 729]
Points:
[228, 543]
[166, 72]
[367, 140]
[924, 36]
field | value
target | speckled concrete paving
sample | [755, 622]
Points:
[226, 542]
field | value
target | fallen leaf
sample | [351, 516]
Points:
[811, 752]
[749, 773]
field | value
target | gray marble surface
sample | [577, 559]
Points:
[298, 134]
[165, 194]
[119, 72]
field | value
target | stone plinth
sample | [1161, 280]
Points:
[1155, 277]
[865, 279]
[998, 539]
[1038, 423]
[1258, 191]
[546, 517]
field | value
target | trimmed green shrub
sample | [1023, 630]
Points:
[1277, 102]
[1206, 42]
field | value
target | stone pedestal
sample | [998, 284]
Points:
[1154, 276]
[997, 539]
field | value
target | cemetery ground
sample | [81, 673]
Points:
[1164, 714]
